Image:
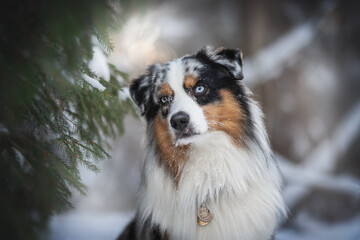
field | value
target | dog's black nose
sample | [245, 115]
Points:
[179, 120]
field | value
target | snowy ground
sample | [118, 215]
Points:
[314, 230]
[79, 225]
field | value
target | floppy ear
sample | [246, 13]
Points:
[142, 88]
[231, 59]
[140, 92]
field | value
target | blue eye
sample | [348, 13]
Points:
[199, 89]
[164, 99]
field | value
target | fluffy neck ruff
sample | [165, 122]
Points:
[241, 188]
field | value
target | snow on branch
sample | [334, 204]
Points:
[93, 82]
[324, 158]
[270, 62]
[301, 179]
[99, 64]
[320, 163]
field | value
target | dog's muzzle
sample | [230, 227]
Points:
[180, 122]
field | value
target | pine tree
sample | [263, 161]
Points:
[52, 118]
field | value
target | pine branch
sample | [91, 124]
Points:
[51, 119]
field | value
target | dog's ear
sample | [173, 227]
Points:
[140, 92]
[142, 88]
[232, 59]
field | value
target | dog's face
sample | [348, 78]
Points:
[193, 95]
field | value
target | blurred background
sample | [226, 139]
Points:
[302, 63]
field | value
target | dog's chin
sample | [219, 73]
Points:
[186, 137]
[187, 140]
[200, 138]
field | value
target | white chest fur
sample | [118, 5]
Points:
[240, 188]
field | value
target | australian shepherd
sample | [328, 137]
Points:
[209, 172]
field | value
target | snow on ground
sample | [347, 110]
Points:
[314, 230]
[79, 225]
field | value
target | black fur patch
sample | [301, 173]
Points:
[142, 96]
[217, 77]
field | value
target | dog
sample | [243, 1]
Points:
[209, 171]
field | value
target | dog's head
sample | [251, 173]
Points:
[193, 95]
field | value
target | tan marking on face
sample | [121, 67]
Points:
[172, 156]
[165, 89]
[225, 116]
[190, 81]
